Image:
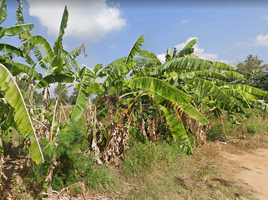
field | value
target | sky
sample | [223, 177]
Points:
[226, 30]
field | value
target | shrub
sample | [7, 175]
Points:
[216, 133]
[71, 163]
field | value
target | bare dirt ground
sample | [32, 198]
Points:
[250, 166]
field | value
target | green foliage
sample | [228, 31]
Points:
[118, 72]
[254, 71]
[216, 133]
[82, 98]
[53, 78]
[97, 68]
[184, 52]
[16, 68]
[73, 164]
[149, 55]
[136, 135]
[159, 87]
[37, 97]
[21, 116]
[178, 131]
[183, 63]
[11, 49]
[70, 57]
[212, 89]
[73, 97]
[256, 123]
[3, 11]
[135, 48]
[44, 44]
[64, 94]
[223, 66]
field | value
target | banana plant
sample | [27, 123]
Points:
[86, 87]
[11, 51]
[22, 118]
[53, 63]
[117, 69]
[202, 82]
[59, 65]
[143, 85]
[114, 71]
[17, 115]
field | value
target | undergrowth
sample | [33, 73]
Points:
[70, 162]
[145, 158]
[161, 171]
[155, 170]
[256, 124]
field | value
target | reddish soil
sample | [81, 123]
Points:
[251, 169]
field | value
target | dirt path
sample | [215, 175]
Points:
[252, 169]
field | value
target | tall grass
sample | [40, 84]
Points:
[146, 158]
[257, 123]
[161, 171]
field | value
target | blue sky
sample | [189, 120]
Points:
[227, 30]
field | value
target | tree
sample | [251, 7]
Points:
[22, 118]
[73, 97]
[17, 116]
[64, 94]
[59, 69]
[37, 97]
[254, 71]
[181, 87]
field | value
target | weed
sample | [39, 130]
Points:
[14, 179]
[161, 171]
[251, 128]
[255, 124]
[145, 158]
[73, 164]
[216, 133]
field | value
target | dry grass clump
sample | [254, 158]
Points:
[163, 172]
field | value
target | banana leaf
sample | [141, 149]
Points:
[178, 131]
[161, 88]
[183, 63]
[223, 66]
[135, 48]
[54, 78]
[83, 96]
[21, 116]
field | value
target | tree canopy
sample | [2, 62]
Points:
[254, 71]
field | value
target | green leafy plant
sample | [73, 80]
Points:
[14, 97]
[71, 163]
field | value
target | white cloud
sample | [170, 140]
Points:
[197, 50]
[65, 46]
[52, 87]
[162, 58]
[100, 80]
[88, 19]
[113, 46]
[265, 17]
[231, 62]
[261, 40]
[184, 21]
